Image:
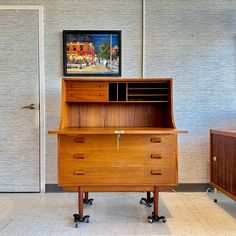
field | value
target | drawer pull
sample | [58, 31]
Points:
[155, 156]
[78, 140]
[79, 156]
[78, 172]
[155, 140]
[155, 172]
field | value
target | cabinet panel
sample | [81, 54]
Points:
[117, 176]
[87, 96]
[86, 92]
[117, 159]
[223, 162]
[73, 85]
[127, 143]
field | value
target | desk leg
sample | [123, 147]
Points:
[155, 216]
[87, 200]
[147, 201]
[80, 217]
[80, 202]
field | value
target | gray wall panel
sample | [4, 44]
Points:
[191, 41]
[194, 42]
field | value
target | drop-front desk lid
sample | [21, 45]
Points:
[118, 130]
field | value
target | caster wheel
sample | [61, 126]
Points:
[164, 220]
[149, 204]
[87, 220]
[76, 225]
[215, 200]
[141, 201]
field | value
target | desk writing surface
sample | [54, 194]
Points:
[117, 130]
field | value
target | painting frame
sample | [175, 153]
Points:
[89, 53]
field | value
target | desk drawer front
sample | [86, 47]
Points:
[127, 143]
[117, 159]
[88, 86]
[118, 176]
[87, 96]
[86, 92]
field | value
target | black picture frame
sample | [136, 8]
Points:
[92, 53]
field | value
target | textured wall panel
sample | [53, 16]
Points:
[194, 42]
[84, 15]
[191, 41]
[19, 84]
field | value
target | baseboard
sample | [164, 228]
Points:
[187, 187]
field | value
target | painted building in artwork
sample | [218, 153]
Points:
[81, 52]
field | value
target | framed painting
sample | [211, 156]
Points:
[91, 53]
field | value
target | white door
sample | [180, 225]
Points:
[19, 87]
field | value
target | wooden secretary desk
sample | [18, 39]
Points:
[117, 135]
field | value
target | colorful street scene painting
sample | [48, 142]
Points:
[95, 53]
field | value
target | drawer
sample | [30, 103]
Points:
[88, 86]
[88, 143]
[117, 176]
[148, 143]
[87, 96]
[115, 159]
[127, 143]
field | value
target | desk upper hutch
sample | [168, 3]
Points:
[117, 135]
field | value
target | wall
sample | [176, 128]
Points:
[195, 43]
[191, 41]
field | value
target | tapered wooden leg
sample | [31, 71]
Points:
[148, 196]
[80, 202]
[155, 217]
[155, 203]
[80, 216]
[87, 200]
[148, 200]
[86, 196]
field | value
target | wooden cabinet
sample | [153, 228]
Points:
[223, 161]
[117, 135]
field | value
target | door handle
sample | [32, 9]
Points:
[31, 107]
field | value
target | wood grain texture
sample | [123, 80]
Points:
[115, 130]
[129, 146]
[223, 161]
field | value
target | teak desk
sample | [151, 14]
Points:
[117, 135]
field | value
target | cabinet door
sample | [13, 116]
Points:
[86, 91]
[223, 162]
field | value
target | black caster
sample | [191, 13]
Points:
[151, 218]
[88, 201]
[77, 219]
[215, 200]
[146, 202]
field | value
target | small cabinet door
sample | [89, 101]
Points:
[86, 91]
[223, 161]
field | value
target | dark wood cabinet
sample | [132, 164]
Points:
[223, 161]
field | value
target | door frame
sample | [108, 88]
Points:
[41, 87]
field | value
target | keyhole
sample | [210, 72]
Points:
[118, 143]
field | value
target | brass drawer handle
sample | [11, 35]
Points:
[155, 156]
[156, 172]
[155, 140]
[78, 140]
[78, 172]
[79, 156]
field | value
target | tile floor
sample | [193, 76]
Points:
[116, 214]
